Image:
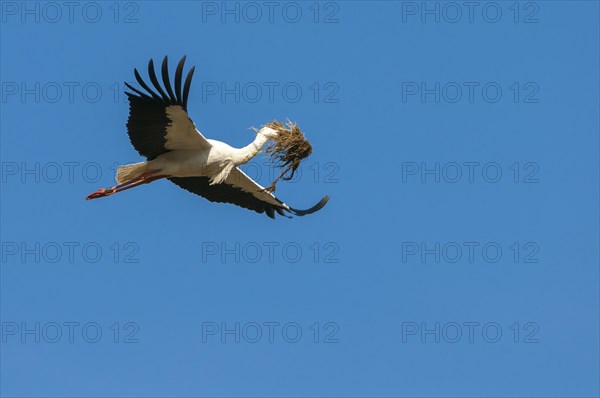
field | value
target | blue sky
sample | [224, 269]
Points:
[458, 255]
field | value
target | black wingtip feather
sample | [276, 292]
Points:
[178, 75]
[186, 86]
[313, 209]
[279, 211]
[270, 212]
[144, 85]
[136, 91]
[154, 80]
[165, 77]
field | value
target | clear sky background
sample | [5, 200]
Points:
[458, 255]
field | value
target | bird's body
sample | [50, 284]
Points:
[198, 162]
[160, 129]
[215, 161]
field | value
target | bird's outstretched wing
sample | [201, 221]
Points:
[159, 122]
[242, 191]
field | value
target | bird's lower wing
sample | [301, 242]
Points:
[241, 190]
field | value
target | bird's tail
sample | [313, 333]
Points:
[130, 171]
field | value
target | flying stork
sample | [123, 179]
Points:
[160, 129]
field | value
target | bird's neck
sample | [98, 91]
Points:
[250, 150]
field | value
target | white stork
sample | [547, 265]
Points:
[160, 129]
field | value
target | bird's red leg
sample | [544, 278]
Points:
[137, 183]
[142, 179]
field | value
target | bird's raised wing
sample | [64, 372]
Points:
[242, 191]
[159, 122]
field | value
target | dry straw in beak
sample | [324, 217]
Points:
[288, 149]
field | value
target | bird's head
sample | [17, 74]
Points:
[268, 132]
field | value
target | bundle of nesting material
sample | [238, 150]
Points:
[287, 150]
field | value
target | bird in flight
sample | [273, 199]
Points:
[160, 129]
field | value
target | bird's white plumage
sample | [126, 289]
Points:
[181, 132]
[160, 129]
[240, 179]
[215, 159]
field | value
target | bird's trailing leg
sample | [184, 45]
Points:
[144, 178]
